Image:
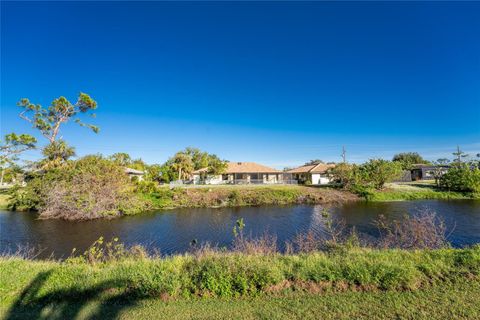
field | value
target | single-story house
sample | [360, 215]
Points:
[133, 173]
[426, 172]
[240, 173]
[315, 174]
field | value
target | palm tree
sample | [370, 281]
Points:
[56, 153]
[183, 164]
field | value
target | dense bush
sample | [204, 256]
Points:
[372, 174]
[461, 177]
[146, 186]
[377, 172]
[88, 188]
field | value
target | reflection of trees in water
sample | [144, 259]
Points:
[319, 217]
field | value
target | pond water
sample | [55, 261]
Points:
[172, 231]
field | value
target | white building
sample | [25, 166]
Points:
[134, 173]
[240, 173]
[316, 174]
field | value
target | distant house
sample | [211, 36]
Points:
[426, 172]
[134, 174]
[315, 174]
[240, 173]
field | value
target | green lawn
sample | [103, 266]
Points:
[414, 191]
[453, 301]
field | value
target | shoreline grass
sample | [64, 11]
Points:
[416, 191]
[238, 196]
[392, 195]
[235, 274]
[164, 198]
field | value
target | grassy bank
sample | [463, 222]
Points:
[415, 191]
[234, 196]
[458, 300]
[28, 285]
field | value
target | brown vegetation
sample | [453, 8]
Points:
[245, 196]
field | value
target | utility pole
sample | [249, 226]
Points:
[344, 157]
[459, 154]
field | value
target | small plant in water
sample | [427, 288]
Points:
[238, 228]
[103, 251]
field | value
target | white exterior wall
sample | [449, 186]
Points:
[271, 178]
[318, 179]
[214, 179]
[209, 179]
[196, 179]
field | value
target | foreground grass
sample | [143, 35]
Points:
[450, 301]
[415, 191]
[235, 196]
[341, 283]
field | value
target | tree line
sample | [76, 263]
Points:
[94, 185]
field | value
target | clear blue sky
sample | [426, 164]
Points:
[277, 83]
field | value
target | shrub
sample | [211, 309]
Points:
[372, 174]
[88, 188]
[461, 177]
[146, 187]
[345, 175]
[377, 172]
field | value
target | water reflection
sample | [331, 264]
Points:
[172, 231]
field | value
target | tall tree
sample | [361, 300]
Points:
[202, 159]
[50, 120]
[199, 158]
[183, 164]
[13, 145]
[216, 166]
[407, 159]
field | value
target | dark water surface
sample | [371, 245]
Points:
[172, 231]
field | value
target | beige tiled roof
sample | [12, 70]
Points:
[244, 167]
[314, 168]
[302, 169]
[249, 167]
[200, 170]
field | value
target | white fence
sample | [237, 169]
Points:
[185, 183]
